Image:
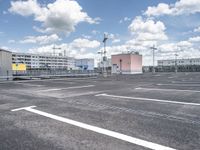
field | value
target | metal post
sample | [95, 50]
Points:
[104, 56]
[176, 69]
[153, 48]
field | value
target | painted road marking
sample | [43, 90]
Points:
[149, 99]
[154, 89]
[96, 129]
[181, 85]
[73, 87]
[28, 84]
[185, 82]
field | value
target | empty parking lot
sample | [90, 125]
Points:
[160, 111]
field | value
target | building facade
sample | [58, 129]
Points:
[5, 63]
[127, 63]
[181, 65]
[179, 62]
[38, 61]
[84, 64]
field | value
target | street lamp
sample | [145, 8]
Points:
[100, 61]
[176, 69]
[104, 56]
[153, 48]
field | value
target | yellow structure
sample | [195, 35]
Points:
[18, 67]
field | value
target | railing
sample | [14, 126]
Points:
[31, 74]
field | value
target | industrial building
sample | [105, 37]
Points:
[35, 61]
[182, 65]
[5, 64]
[84, 64]
[127, 63]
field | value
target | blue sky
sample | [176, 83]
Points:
[78, 26]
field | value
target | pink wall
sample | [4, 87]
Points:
[129, 62]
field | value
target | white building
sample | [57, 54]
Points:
[180, 62]
[85, 64]
[34, 61]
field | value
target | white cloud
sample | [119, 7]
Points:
[84, 43]
[148, 30]
[197, 29]
[46, 39]
[62, 16]
[184, 44]
[125, 19]
[179, 8]
[194, 39]
[116, 41]
[78, 48]
[161, 9]
[86, 36]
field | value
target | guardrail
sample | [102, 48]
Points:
[29, 77]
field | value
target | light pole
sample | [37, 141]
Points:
[100, 61]
[104, 56]
[176, 69]
[153, 49]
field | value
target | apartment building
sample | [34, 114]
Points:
[35, 61]
[179, 62]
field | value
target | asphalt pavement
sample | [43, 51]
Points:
[125, 112]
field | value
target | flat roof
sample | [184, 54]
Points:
[126, 54]
[5, 50]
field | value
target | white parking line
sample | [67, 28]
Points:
[192, 85]
[149, 99]
[96, 129]
[171, 90]
[73, 87]
[28, 84]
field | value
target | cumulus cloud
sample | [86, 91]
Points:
[116, 41]
[46, 39]
[78, 48]
[179, 8]
[194, 39]
[125, 19]
[147, 30]
[62, 16]
[84, 43]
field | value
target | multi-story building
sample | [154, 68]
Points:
[179, 62]
[5, 63]
[85, 64]
[35, 61]
[180, 65]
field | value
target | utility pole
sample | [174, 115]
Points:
[176, 69]
[153, 49]
[104, 55]
[54, 53]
